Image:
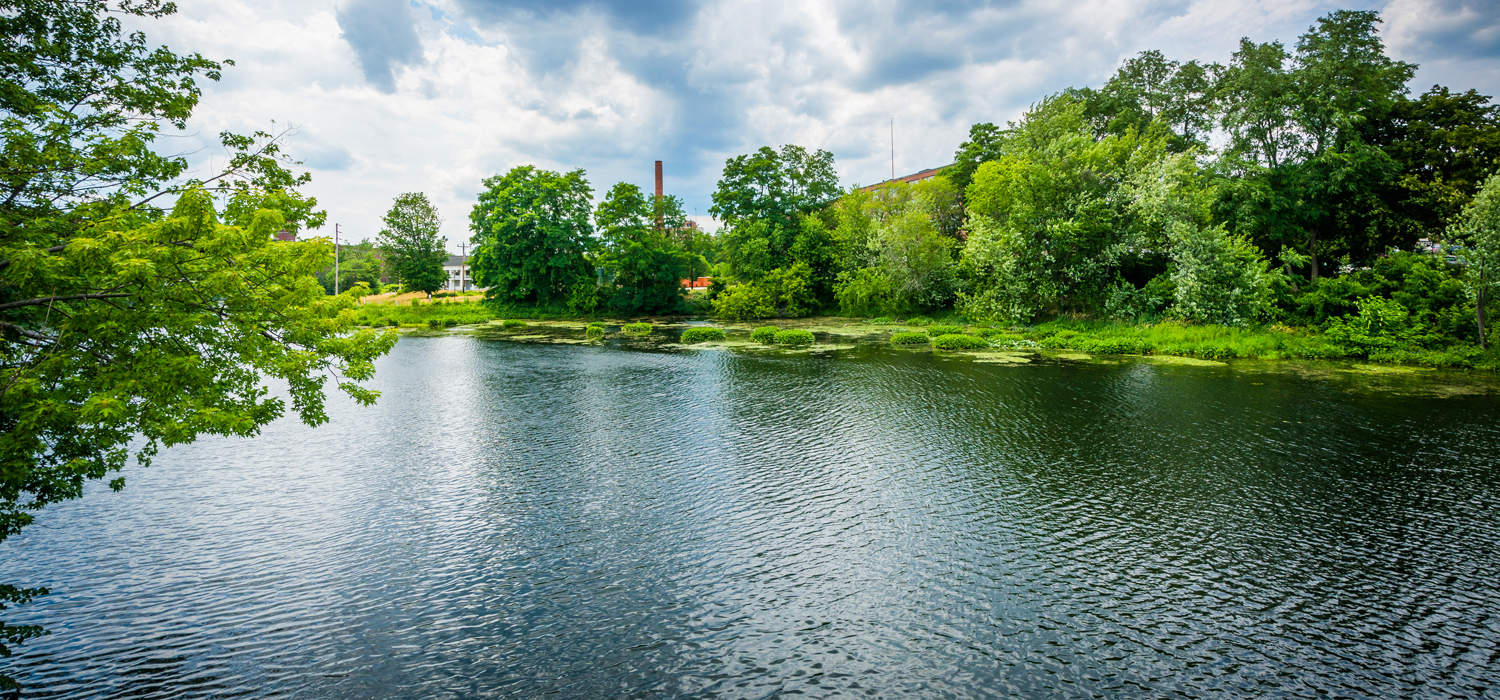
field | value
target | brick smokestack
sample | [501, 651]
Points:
[658, 195]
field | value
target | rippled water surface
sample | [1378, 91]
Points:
[513, 521]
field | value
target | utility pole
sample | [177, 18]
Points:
[893, 148]
[335, 259]
[463, 267]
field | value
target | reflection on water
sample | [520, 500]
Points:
[516, 520]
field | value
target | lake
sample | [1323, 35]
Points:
[515, 520]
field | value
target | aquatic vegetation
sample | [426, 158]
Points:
[918, 321]
[795, 336]
[881, 321]
[637, 328]
[594, 332]
[765, 334]
[702, 335]
[936, 331]
[959, 341]
[511, 324]
[909, 338]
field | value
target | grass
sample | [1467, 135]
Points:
[794, 336]
[909, 338]
[702, 335]
[959, 341]
[637, 328]
[460, 313]
[1222, 342]
[765, 334]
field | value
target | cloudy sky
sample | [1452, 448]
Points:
[391, 96]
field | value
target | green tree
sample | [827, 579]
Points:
[1216, 277]
[896, 258]
[643, 263]
[1047, 227]
[770, 203]
[122, 322]
[532, 234]
[413, 247]
[1479, 227]
[358, 263]
[1445, 144]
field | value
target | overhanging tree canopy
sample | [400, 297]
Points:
[134, 303]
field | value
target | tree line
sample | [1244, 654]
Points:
[1291, 185]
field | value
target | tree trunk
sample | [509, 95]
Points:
[1312, 250]
[1479, 302]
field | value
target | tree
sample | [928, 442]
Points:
[532, 231]
[358, 263]
[775, 186]
[1444, 144]
[1479, 227]
[896, 257]
[643, 263]
[1047, 227]
[414, 252]
[126, 326]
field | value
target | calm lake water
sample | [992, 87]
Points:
[517, 520]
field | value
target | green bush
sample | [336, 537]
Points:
[637, 328]
[765, 334]
[959, 341]
[881, 320]
[511, 324]
[987, 332]
[449, 323]
[936, 331]
[701, 335]
[919, 321]
[909, 338]
[794, 336]
[594, 332]
[434, 323]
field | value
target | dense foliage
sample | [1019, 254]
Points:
[1291, 185]
[138, 309]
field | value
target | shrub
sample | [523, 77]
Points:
[449, 323]
[959, 341]
[909, 338]
[765, 334]
[919, 321]
[594, 332]
[416, 302]
[434, 323]
[881, 320]
[637, 328]
[936, 331]
[511, 324]
[701, 335]
[987, 332]
[794, 336]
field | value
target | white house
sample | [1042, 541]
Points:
[460, 277]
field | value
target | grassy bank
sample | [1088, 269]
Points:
[1274, 342]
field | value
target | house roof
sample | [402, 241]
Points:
[914, 177]
[454, 261]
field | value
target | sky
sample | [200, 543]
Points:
[382, 97]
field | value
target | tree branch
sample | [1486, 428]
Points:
[48, 300]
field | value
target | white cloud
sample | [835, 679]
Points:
[610, 88]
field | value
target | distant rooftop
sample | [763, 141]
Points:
[914, 177]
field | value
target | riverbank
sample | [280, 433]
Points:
[1166, 339]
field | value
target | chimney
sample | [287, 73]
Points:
[658, 194]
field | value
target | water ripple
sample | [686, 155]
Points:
[513, 521]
